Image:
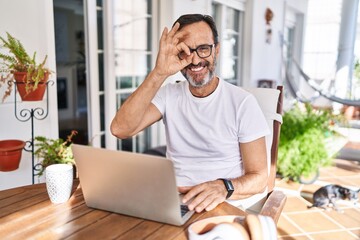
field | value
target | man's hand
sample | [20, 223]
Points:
[205, 195]
[171, 44]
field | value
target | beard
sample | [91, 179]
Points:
[196, 80]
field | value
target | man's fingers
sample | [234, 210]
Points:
[205, 196]
[185, 62]
[175, 36]
[192, 193]
[196, 203]
[182, 47]
[174, 30]
[163, 35]
[203, 204]
[183, 189]
[180, 35]
[213, 204]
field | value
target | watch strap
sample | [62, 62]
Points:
[229, 187]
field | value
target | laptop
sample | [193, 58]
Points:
[133, 184]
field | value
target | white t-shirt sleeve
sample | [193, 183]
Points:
[252, 123]
[159, 100]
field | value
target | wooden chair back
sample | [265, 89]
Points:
[271, 102]
[275, 200]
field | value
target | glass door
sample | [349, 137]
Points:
[119, 56]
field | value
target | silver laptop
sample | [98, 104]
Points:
[133, 184]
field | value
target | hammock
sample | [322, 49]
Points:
[318, 89]
[294, 90]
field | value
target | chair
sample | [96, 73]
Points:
[271, 102]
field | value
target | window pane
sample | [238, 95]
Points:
[131, 23]
[232, 19]
[102, 141]
[101, 71]
[120, 99]
[100, 32]
[131, 68]
[229, 68]
[127, 145]
[143, 141]
[124, 81]
[132, 49]
[231, 43]
[102, 112]
[231, 33]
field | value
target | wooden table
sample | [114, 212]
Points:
[27, 213]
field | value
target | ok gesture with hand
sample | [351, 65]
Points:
[168, 62]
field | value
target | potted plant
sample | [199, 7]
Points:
[53, 151]
[30, 77]
[305, 142]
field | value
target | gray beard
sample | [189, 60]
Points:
[207, 79]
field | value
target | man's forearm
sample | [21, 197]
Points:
[255, 167]
[137, 112]
[129, 117]
[249, 184]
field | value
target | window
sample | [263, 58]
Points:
[229, 22]
[132, 45]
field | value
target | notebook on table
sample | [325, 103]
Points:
[129, 183]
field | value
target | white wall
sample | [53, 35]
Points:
[264, 61]
[31, 22]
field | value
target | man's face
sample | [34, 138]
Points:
[202, 70]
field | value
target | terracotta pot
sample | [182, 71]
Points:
[10, 154]
[32, 95]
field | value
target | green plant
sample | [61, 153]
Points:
[53, 151]
[302, 147]
[18, 60]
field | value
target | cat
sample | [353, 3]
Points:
[329, 194]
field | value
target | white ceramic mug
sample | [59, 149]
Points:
[59, 182]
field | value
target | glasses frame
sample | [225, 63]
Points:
[196, 50]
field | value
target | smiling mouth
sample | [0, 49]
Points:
[197, 68]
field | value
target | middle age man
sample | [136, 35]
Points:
[215, 131]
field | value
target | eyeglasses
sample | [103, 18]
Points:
[203, 51]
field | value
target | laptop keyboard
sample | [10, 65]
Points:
[184, 209]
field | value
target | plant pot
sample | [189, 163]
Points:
[31, 94]
[10, 154]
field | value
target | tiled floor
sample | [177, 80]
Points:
[300, 222]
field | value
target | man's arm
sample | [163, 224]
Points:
[210, 194]
[138, 112]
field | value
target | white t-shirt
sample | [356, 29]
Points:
[203, 134]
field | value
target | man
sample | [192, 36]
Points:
[215, 131]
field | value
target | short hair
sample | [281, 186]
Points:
[188, 19]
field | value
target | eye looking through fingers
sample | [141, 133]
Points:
[183, 50]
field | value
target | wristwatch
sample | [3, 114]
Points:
[229, 186]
